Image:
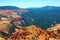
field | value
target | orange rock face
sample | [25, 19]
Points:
[27, 33]
[33, 33]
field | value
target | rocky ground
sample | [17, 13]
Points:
[33, 33]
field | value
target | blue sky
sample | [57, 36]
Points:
[29, 3]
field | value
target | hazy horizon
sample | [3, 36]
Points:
[29, 3]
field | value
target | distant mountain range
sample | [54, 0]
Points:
[9, 8]
[43, 17]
